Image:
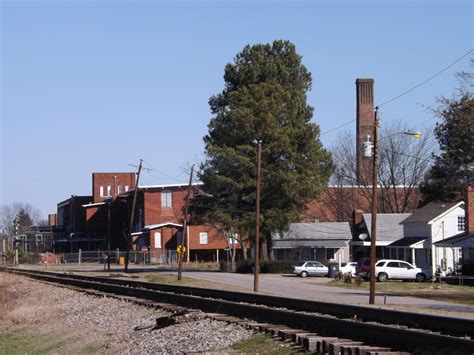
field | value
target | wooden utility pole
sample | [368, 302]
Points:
[182, 251]
[130, 239]
[373, 229]
[257, 221]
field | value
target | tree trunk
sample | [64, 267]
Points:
[264, 250]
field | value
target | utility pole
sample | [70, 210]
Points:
[185, 226]
[257, 221]
[130, 239]
[373, 229]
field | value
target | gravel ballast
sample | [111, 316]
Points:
[117, 325]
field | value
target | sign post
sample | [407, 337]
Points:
[144, 250]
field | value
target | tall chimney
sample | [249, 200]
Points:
[469, 207]
[365, 127]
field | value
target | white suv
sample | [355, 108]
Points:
[399, 270]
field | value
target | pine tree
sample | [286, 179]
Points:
[264, 99]
[454, 166]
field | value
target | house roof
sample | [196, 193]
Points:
[316, 231]
[461, 240]
[145, 187]
[166, 224]
[406, 242]
[431, 211]
[298, 243]
[388, 225]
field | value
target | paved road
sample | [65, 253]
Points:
[314, 288]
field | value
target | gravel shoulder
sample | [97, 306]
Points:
[38, 317]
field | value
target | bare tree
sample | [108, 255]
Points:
[9, 212]
[403, 161]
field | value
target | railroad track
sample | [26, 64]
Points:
[321, 327]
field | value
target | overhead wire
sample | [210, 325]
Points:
[406, 91]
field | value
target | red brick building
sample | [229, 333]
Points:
[159, 225]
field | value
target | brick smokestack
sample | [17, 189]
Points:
[469, 206]
[365, 126]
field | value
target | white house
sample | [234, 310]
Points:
[433, 223]
[324, 242]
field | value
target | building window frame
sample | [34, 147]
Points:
[157, 240]
[461, 223]
[166, 199]
[101, 191]
[203, 238]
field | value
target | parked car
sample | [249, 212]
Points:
[399, 270]
[309, 268]
[348, 268]
[363, 267]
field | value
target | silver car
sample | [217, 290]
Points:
[309, 268]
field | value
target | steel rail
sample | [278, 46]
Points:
[377, 334]
[453, 326]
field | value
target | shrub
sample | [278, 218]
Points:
[358, 280]
[225, 266]
[347, 277]
[244, 266]
[266, 266]
[275, 267]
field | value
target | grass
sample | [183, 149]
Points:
[30, 342]
[439, 292]
[264, 344]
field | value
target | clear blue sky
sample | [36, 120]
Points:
[94, 85]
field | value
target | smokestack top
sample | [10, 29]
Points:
[364, 80]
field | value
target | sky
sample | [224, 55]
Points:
[93, 86]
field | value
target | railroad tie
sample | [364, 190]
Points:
[288, 334]
[315, 343]
[370, 350]
[336, 347]
[298, 338]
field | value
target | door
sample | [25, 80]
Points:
[393, 269]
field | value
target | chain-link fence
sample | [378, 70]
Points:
[167, 257]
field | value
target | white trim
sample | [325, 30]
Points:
[93, 204]
[445, 212]
[138, 233]
[153, 226]
[168, 185]
[380, 243]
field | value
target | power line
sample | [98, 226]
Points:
[427, 80]
[407, 91]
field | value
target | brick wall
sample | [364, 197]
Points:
[365, 125]
[469, 205]
[111, 186]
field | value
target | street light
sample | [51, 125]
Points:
[373, 229]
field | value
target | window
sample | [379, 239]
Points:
[330, 253]
[203, 238]
[109, 190]
[119, 189]
[461, 224]
[157, 240]
[101, 188]
[126, 188]
[167, 199]
[234, 239]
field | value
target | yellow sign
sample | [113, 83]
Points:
[181, 249]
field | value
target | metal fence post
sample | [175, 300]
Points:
[79, 256]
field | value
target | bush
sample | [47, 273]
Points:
[244, 266]
[266, 266]
[225, 266]
[275, 267]
[10, 256]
